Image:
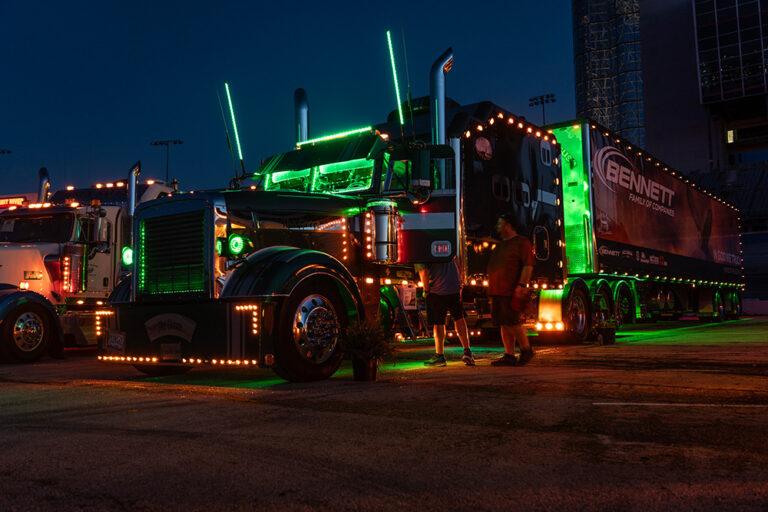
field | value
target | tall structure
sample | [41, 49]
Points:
[608, 64]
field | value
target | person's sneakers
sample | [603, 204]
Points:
[436, 360]
[505, 360]
[525, 356]
[468, 358]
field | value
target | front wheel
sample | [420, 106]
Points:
[310, 325]
[27, 331]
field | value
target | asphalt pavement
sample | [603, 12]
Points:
[671, 417]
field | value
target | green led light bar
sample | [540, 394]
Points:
[394, 76]
[127, 255]
[234, 123]
[335, 136]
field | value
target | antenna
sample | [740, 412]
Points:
[226, 130]
[234, 126]
[408, 79]
[397, 87]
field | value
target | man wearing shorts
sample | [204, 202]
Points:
[442, 287]
[509, 271]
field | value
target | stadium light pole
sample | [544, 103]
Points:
[541, 100]
[167, 144]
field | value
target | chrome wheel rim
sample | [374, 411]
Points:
[28, 331]
[316, 329]
[578, 314]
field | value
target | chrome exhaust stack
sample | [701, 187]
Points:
[132, 179]
[44, 185]
[440, 67]
[301, 109]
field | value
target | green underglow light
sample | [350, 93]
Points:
[334, 136]
[127, 256]
[234, 123]
[236, 244]
[394, 76]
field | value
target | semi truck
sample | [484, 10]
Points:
[646, 241]
[270, 273]
[59, 260]
[272, 276]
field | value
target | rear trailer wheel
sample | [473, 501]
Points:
[26, 333]
[624, 306]
[309, 332]
[160, 370]
[577, 316]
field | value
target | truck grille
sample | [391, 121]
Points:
[171, 254]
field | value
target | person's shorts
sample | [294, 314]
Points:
[439, 305]
[502, 312]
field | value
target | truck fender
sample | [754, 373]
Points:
[11, 297]
[121, 293]
[277, 271]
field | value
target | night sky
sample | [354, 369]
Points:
[86, 86]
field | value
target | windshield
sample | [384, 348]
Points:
[349, 176]
[36, 228]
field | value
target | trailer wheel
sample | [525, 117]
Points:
[310, 325]
[735, 311]
[577, 315]
[624, 305]
[27, 332]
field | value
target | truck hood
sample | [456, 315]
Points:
[16, 260]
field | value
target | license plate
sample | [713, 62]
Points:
[116, 340]
[170, 351]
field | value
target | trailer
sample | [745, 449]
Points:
[645, 241]
[271, 277]
[60, 257]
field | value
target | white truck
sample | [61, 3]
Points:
[59, 260]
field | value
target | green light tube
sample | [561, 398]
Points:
[334, 136]
[394, 76]
[234, 123]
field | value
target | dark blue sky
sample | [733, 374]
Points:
[85, 86]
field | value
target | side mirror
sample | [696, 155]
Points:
[421, 171]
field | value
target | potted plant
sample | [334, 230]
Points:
[367, 344]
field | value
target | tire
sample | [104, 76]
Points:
[309, 332]
[577, 315]
[161, 370]
[735, 312]
[27, 332]
[624, 306]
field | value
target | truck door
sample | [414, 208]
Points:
[98, 235]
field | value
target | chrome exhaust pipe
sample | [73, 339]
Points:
[441, 66]
[132, 179]
[301, 109]
[44, 185]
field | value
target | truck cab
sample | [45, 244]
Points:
[59, 261]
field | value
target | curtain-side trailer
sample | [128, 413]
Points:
[646, 242]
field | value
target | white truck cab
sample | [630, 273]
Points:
[60, 259]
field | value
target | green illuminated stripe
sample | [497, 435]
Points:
[336, 136]
[234, 123]
[394, 76]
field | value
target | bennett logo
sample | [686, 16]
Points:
[605, 251]
[170, 324]
[613, 167]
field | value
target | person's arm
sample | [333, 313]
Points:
[424, 276]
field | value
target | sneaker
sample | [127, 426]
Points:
[505, 360]
[436, 360]
[468, 358]
[525, 356]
